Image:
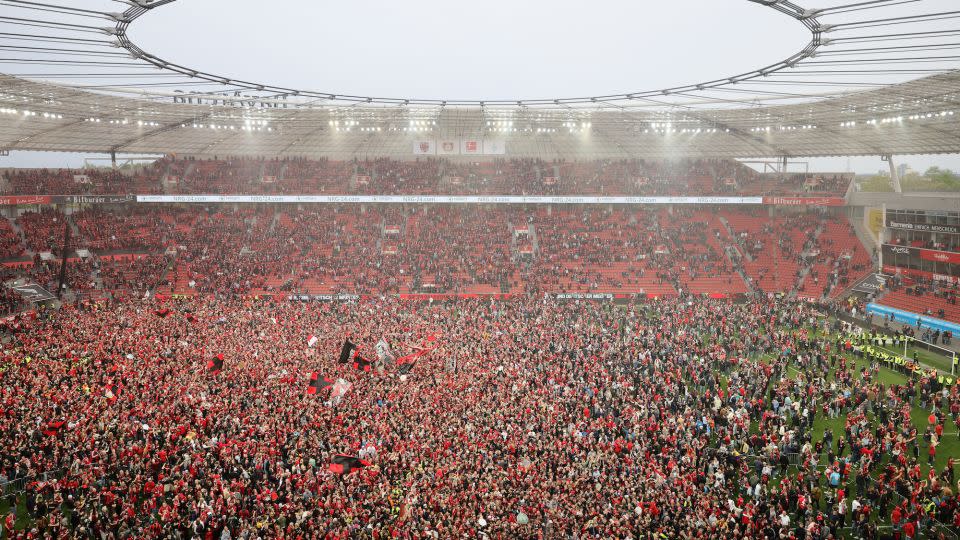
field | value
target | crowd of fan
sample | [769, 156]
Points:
[424, 176]
[43, 231]
[434, 249]
[136, 229]
[11, 246]
[136, 276]
[525, 419]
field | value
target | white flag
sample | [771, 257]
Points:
[384, 353]
[341, 387]
[425, 148]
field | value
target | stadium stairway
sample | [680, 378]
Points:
[799, 286]
[164, 184]
[19, 230]
[75, 236]
[865, 237]
[274, 222]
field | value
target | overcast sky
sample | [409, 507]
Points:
[496, 49]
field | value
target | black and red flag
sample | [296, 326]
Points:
[405, 363]
[318, 383]
[216, 364]
[347, 351]
[361, 364]
[341, 464]
[162, 312]
[53, 428]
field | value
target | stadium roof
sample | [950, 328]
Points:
[877, 77]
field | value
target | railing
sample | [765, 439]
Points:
[948, 354]
[18, 485]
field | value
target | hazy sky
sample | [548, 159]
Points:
[494, 49]
[481, 50]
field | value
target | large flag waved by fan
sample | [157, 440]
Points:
[341, 464]
[318, 383]
[347, 351]
[216, 364]
[406, 363]
[340, 388]
[312, 340]
[384, 352]
[361, 364]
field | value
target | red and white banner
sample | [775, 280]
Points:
[891, 270]
[463, 147]
[24, 199]
[425, 148]
[269, 179]
[805, 201]
[363, 180]
[549, 180]
[448, 147]
[471, 147]
[940, 256]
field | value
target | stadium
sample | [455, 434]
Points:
[502, 302]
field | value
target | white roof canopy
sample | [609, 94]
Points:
[877, 77]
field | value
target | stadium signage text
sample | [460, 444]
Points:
[909, 272]
[24, 199]
[873, 283]
[925, 254]
[406, 199]
[923, 227]
[325, 297]
[584, 296]
[804, 201]
[91, 199]
[438, 199]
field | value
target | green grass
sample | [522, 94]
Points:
[22, 520]
[929, 358]
[949, 444]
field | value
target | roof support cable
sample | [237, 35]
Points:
[892, 21]
[57, 39]
[888, 50]
[67, 52]
[895, 37]
[51, 24]
[61, 10]
[877, 4]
